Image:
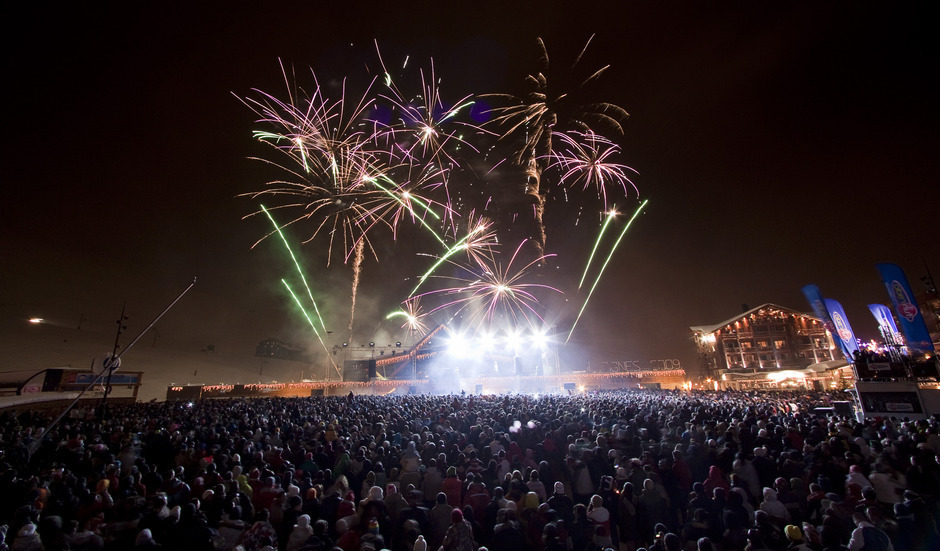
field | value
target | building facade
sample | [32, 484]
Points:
[762, 345]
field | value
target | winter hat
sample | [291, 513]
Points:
[793, 532]
[559, 488]
[145, 537]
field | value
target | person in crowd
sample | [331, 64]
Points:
[867, 537]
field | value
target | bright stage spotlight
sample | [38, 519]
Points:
[540, 339]
[486, 342]
[459, 345]
[514, 340]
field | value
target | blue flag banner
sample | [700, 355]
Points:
[818, 303]
[814, 297]
[885, 320]
[909, 315]
[843, 331]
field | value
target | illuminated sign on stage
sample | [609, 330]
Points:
[638, 365]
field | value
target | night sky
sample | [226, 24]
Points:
[779, 144]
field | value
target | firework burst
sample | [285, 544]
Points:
[491, 291]
[413, 316]
[427, 127]
[587, 160]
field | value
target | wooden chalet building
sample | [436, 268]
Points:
[769, 346]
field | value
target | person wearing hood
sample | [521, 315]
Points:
[598, 514]
[299, 534]
[775, 510]
[459, 535]
[144, 540]
[716, 479]
[27, 539]
[453, 488]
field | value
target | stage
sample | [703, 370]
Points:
[566, 383]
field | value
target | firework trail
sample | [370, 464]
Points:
[309, 291]
[297, 266]
[312, 326]
[604, 267]
[610, 217]
[302, 309]
[356, 266]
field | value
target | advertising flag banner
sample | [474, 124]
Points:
[814, 297]
[909, 315]
[843, 330]
[885, 320]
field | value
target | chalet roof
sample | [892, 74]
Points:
[706, 329]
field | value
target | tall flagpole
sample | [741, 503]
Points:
[110, 364]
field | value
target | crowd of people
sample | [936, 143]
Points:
[628, 471]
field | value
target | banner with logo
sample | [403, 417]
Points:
[909, 315]
[817, 302]
[843, 331]
[885, 320]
